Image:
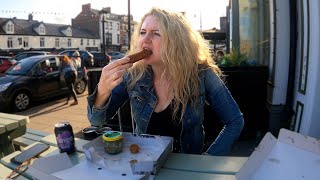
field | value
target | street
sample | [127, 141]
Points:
[44, 116]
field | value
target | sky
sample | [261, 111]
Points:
[203, 14]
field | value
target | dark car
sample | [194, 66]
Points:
[116, 55]
[100, 60]
[5, 63]
[86, 57]
[28, 80]
[27, 54]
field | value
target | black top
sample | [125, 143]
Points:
[162, 123]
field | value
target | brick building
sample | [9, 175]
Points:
[115, 26]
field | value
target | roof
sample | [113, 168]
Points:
[26, 27]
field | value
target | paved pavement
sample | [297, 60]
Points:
[43, 117]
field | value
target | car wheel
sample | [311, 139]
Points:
[80, 86]
[21, 101]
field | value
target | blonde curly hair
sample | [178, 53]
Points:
[183, 49]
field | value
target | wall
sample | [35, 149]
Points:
[306, 97]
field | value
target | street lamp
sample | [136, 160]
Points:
[103, 12]
[129, 25]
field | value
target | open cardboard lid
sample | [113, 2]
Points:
[291, 156]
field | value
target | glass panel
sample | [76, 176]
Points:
[254, 30]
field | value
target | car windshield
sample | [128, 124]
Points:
[21, 68]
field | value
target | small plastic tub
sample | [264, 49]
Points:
[113, 142]
[89, 132]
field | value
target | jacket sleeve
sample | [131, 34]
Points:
[222, 102]
[100, 116]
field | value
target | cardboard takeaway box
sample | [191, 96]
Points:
[291, 156]
[96, 164]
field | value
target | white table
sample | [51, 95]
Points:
[177, 166]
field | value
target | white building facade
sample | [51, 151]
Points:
[19, 35]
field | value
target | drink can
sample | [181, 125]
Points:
[65, 137]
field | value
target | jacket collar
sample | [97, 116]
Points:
[146, 79]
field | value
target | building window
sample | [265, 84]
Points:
[20, 41]
[110, 25]
[9, 42]
[81, 42]
[10, 28]
[254, 30]
[69, 42]
[118, 38]
[125, 40]
[88, 43]
[109, 38]
[41, 30]
[118, 26]
[42, 42]
[94, 42]
[25, 42]
[57, 42]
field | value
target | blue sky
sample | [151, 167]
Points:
[61, 11]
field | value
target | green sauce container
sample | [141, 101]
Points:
[113, 142]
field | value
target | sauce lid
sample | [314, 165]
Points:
[112, 136]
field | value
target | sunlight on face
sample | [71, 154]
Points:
[150, 38]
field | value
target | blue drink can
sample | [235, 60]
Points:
[65, 137]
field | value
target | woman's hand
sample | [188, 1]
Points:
[111, 76]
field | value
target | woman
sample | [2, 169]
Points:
[76, 59]
[168, 90]
[68, 71]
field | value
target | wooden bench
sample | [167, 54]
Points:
[5, 171]
[29, 138]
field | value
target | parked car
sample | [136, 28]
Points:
[26, 54]
[28, 81]
[86, 57]
[100, 60]
[5, 63]
[115, 55]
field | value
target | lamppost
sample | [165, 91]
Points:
[129, 25]
[103, 12]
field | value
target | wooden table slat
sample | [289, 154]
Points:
[5, 171]
[2, 129]
[9, 124]
[206, 164]
[23, 120]
[168, 174]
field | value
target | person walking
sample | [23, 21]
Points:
[76, 59]
[68, 71]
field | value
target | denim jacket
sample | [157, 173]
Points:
[143, 101]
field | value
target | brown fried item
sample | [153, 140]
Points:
[133, 161]
[139, 55]
[134, 148]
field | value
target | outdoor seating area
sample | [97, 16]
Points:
[176, 166]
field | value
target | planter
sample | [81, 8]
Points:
[248, 86]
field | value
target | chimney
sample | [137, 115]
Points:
[86, 7]
[30, 17]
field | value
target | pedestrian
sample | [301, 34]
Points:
[219, 56]
[76, 59]
[69, 74]
[168, 90]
